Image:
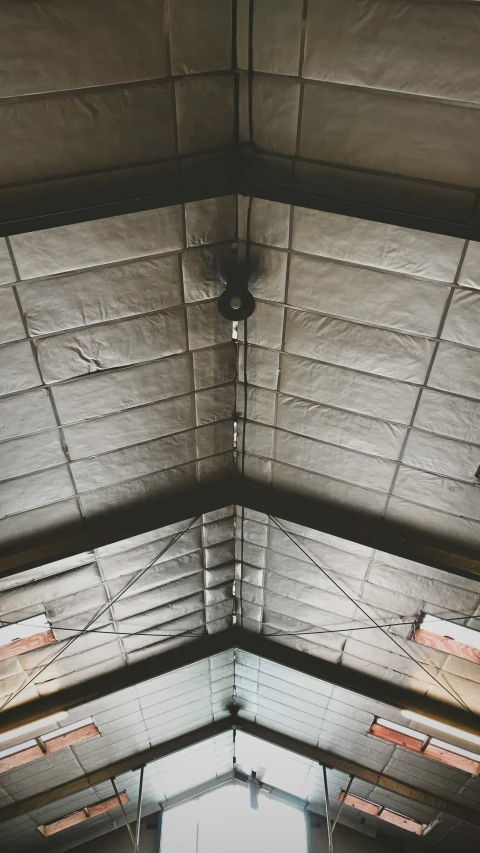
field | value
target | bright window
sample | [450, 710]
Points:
[25, 628]
[223, 820]
[382, 813]
[24, 636]
[448, 637]
[47, 744]
[451, 629]
[416, 741]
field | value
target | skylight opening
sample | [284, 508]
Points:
[87, 813]
[26, 635]
[47, 744]
[422, 743]
[73, 727]
[20, 747]
[25, 628]
[375, 810]
[448, 637]
[404, 730]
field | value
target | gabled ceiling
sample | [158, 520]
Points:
[221, 516]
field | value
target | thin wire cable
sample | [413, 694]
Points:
[97, 615]
[452, 694]
[114, 633]
[411, 623]
[140, 633]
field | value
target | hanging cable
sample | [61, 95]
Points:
[451, 693]
[245, 401]
[170, 634]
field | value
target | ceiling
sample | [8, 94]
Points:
[233, 528]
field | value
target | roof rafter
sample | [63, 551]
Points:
[241, 172]
[315, 513]
[359, 527]
[268, 735]
[236, 638]
[108, 527]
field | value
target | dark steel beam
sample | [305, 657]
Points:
[189, 652]
[440, 553]
[360, 210]
[125, 765]
[400, 201]
[193, 651]
[267, 735]
[351, 768]
[318, 514]
[105, 528]
[379, 197]
[357, 681]
[75, 206]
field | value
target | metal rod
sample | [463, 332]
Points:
[127, 822]
[159, 830]
[343, 802]
[431, 826]
[327, 802]
[139, 809]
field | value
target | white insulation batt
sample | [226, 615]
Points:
[120, 381]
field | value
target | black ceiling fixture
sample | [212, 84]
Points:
[236, 302]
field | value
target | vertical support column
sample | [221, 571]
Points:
[327, 803]
[159, 831]
[343, 802]
[127, 822]
[139, 810]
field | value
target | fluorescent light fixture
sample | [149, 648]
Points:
[442, 727]
[22, 730]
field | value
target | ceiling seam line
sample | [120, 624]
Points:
[421, 336]
[355, 413]
[63, 441]
[100, 488]
[362, 266]
[61, 333]
[107, 265]
[291, 213]
[371, 489]
[44, 386]
[427, 183]
[424, 385]
[417, 97]
[346, 555]
[369, 455]
[360, 372]
[144, 82]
